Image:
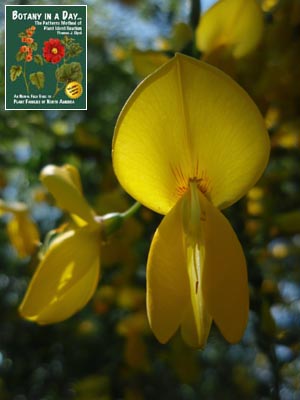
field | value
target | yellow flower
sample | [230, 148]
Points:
[236, 25]
[23, 234]
[145, 62]
[22, 230]
[68, 273]
[188, 142]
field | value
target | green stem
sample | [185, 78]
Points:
[113, 221]
[195, 13]
[24, 76]
[195, 16]
[276, 373]
[131, 211]
[58, 89]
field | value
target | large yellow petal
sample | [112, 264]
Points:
[66, 278]
[151, 140]
[74, 299]
[235, 24]
[64, 184]
[189, 120]
[167, 277]
[229, 142]
[224, 284]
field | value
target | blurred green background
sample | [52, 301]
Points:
[107, 350]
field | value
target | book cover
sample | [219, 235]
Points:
[45, 57]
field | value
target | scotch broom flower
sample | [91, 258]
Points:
[68, 273]
[188, 142]
[234, 25]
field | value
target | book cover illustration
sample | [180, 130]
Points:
[45, 57]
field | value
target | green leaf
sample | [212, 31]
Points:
[15, 72]
[20, 56]
[66, 40]
[38, 59]
[34, 46]
[74, 50]
[69, 72]
[37, 79]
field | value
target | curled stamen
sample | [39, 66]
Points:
[202, 183]
[182, 183]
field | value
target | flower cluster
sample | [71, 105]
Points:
[188, 143]
[26, 54]
[53, 51]
[29, 47]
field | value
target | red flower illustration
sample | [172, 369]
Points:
[53, 51]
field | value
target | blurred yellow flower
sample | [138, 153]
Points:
[23, 234]
[22, 230]
[68, 273]
[190, 141]
[267, 5]
[235, 25]
[134, 327]
[182, 34]
[145, 62]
